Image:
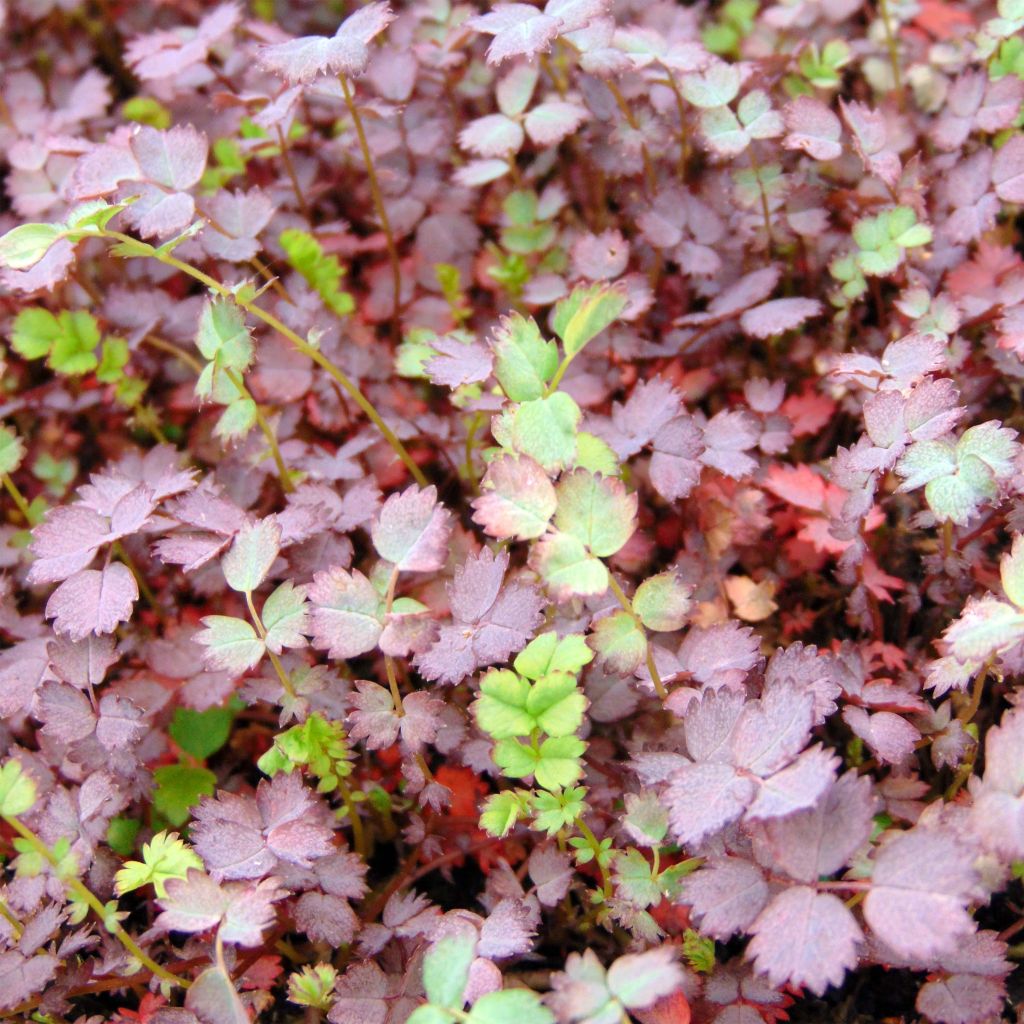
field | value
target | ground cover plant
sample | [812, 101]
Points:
[511, 513]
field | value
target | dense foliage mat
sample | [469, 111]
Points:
[511, 513]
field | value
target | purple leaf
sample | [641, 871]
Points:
[921, 913]
[719, 655]
[817, 842]
[491, 622]
[457, 363]
[778, 316]
[703, 798]
[813, 128]
[805, 938]
[347, 52]
[518, 30]
[66, 541]
[726, 896]
[412, 531]
[343, 618]
[961, 999]
[1008, 171]
[93, 601]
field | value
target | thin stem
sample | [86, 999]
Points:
[268, 432]
[389, 662]
[627, 606]
[17, 497]
[286, 156]
[970, 709]
[893, 47]
[179, 353]
[16, 926]
[681, 111]
[308, 350]
[87, 896]
[948, 542]
[377, 195]
[358, 834]
[282, 675]
[595, 845]
[144, 588]
[271, 278]
[765, 212]
[649, 176]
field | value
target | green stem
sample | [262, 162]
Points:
[17, 497]
[179, 353]
[358, 834]
[86, 895]
[286, 156]
[969, 710]
[389, 662]
[299, 342]
[16, 926]
[893, 47]
[144, 587]
[268, 432]
[627, 606]
[377, 195]
[282, 675]
[595, 845]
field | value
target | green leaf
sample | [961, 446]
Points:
[596, 510]
[12, 450]
[427, 1014]
[558, 809]
[251, 555]
[551, 653]
[24, 246]
[34, 332]
[446, 969]
[201, 733]
[555, 704]
[146, 110]
[237, 419]
[121, 833]
[179, 788]
[646, 820]
[510, 1006]
[500, 708]
[285, 617]
[634, 878]
[523, 361]
[17, 789]
[1011, 571]
[545, 429]
[222, 335]
[502, 811]
[699, 951]
[595, 455]
[663, 602]
[74, 350]
[322, 272]
[555, 764]
[232, 644]
[164, 856]
[313, 986]
[621, 645]
[317, 743]
[719, 85]
[568, 568]
[113, 359]
[585, 313]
